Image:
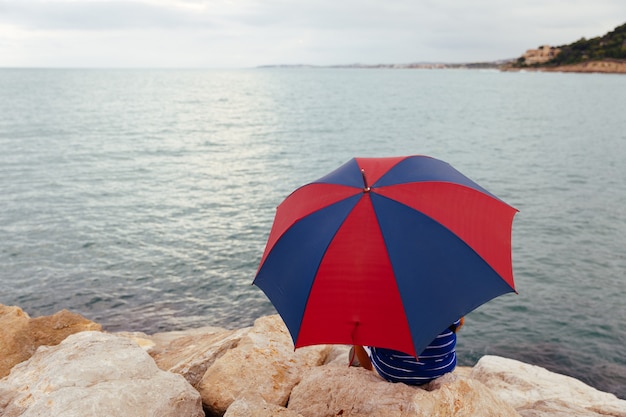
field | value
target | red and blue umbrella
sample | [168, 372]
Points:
[385, 252]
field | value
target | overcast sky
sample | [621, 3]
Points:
[247, 33]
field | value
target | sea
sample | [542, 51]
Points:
[143, 199]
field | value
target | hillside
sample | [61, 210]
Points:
[609, 47]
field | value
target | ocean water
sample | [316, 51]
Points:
[142, 199]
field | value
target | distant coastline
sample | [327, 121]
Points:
[416, 65]
[604, 66]
[605, 54]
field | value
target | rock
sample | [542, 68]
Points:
[254, 405]
[141, 339]
[535, 391]
[95, 374]
[20, 335]
[263, 362]
[251, 371]
[607, 66]
[338, 355]
[190, 353]
[349, 391]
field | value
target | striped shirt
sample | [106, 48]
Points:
[436, 360]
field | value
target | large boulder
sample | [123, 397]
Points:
[95, 374]
[535, 391]
[263, 362]
[348, 391]
[21, 335]
[191, 352]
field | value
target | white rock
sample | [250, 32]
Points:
[95, 374]
[535, 391]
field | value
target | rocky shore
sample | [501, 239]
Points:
[606, 66]
[65, 365]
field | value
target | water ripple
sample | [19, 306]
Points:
[143, 199]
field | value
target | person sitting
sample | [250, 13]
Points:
[436, 360]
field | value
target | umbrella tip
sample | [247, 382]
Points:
[366, 188]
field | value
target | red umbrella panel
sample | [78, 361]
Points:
[385, 252]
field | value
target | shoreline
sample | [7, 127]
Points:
[605, 66]
[211, 371]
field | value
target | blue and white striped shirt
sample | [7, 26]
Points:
[436, 360]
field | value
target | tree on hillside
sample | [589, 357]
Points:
[610, 46]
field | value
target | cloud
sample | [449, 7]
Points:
[252, 32]
[99, 15]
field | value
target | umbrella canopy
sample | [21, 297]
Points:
[385, 252]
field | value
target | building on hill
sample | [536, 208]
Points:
[541, 55]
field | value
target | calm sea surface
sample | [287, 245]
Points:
[143, 199]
